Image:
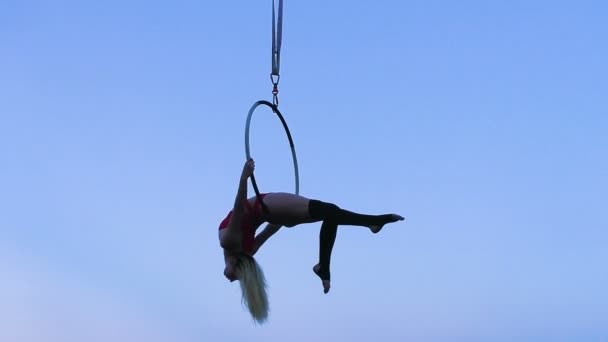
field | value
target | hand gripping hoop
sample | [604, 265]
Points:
[291, 144]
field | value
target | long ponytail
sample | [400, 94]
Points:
[253, 287]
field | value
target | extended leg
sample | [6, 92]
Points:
[320, 210]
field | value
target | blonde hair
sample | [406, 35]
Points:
[253, 287]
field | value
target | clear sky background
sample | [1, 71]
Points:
[484, 123]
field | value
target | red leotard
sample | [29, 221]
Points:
[251, 221]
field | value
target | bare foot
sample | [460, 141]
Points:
[390, 218]
[325, 282]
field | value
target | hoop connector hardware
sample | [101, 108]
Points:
[274, 78]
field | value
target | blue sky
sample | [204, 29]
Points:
[482, 122]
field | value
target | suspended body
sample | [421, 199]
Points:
[240, 240]
[238, 231]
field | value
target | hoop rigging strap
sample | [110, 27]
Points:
[291, 145]
[277, 37]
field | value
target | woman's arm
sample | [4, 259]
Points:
[231, 238]
[264, 235]
[241, 195]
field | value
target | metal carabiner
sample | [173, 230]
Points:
[274, 78]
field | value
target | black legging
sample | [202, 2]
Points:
[332, 216]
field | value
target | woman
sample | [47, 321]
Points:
[239, 242]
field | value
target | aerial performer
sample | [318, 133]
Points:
[238, 234]
[238, 239]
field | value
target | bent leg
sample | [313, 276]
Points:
[287, 209]
[327, 238]
[332, 216]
